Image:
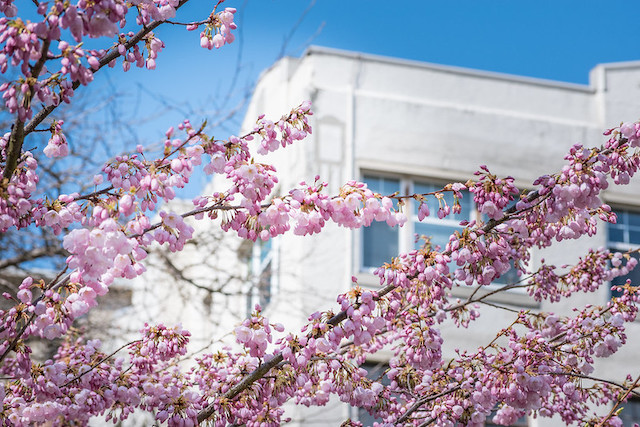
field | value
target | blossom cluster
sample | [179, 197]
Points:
[217, 30]
[57, 145]
[493, 194]
[16, 200]
[81, 382]
[71, 65]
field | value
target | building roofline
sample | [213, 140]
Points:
[619, 65]
[321, 50]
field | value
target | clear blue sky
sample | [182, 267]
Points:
[558, 40]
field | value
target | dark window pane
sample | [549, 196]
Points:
[379, 244]
[624, 235]
[379, 241]
[627, 228]
[633, 219]
[264, 286]
[439, 234]
[634, 236]
[630, 413]
[616, 234]
[634, 276]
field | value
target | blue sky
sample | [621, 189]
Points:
[558, 40]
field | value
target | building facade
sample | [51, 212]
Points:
[413, 127]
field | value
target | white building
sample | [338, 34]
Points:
[411, 127]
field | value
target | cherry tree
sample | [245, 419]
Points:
[541, 364]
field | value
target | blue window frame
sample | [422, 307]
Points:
[380, 243]
[623, 236]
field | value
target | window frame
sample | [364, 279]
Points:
[406, 234]
[264, 265]
[626, 244]
[406, 237]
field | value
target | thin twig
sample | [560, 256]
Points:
[595, 379]
[98, 363]
[623, 397]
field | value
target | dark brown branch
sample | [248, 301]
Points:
[623, 397]
[258, 373]
[262, 370]
[14, 148]
[422, 401]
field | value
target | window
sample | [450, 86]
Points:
[263, 272]
[375, 372]
[624, 236]
[437, 229]
[380, 243]
[630, 413]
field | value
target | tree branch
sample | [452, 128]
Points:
[44, 113]
[14, 148]
[623, 397]
[264, 368]
[422, 401]
[30, 255]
